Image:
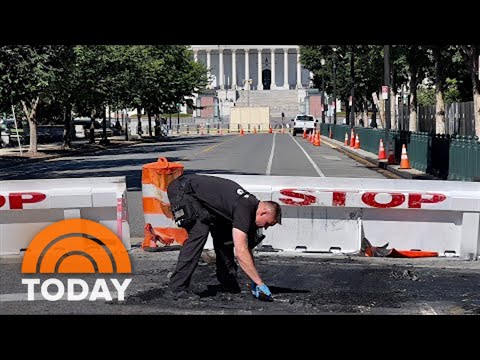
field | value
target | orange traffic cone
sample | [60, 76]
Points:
[404, 162]
[309, 137]
[304, 133]
[391, 155]
[346, 139]
[316, 142]
[357, 142]
[312, 140]
[352, 139]
[270, 129]
[254, 129]
[242, 132]
[381, 151]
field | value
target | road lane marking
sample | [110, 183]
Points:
[269, 166]
[308, 157]
[209, 148]
[428, 310]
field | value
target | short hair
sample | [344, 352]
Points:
[275, 208]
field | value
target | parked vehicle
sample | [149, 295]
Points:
[8, 133]
[85, 123]
[303, 122]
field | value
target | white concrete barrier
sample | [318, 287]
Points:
[28, 206]
[333, 214]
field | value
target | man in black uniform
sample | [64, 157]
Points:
[203, 204]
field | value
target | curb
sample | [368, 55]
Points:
[380, 164]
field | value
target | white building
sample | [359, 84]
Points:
[269, 67]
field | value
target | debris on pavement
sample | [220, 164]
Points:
[367, 249]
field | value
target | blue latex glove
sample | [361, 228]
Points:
[263, 293]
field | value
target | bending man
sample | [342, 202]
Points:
[203, 204]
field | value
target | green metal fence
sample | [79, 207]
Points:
[464, 158]
[418, 150]
[447, 157]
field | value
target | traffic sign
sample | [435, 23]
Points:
[385, 92]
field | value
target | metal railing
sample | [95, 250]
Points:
[449, 157]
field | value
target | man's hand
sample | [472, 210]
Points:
[262, 292]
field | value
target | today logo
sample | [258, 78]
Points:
[76, 246]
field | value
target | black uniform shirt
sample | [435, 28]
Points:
[227, 199]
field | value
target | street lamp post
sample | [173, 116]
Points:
[177, 106]
[322, 62]
[127, 125]
[386, 70]
[334, 85]
[352, 94]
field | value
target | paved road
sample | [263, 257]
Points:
[306, 285]
[261, 154]
[301, 284]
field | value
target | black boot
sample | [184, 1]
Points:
[230, 286]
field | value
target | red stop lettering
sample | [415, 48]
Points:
[415, 200]
[369, 199]
[307, 199]
[338, 198]
[2, 200]
[18, 199]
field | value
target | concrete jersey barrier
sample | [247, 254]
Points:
[334, 214]
[28, 206]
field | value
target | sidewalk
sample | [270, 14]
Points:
[372, 158]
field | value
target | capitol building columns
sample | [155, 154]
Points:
[230, 65]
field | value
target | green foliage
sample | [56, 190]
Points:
[452, 94]
[426, 97]
[368, 69]
[408, 61]
[27, 72]
[156, 77]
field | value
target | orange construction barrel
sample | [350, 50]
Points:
[159, 222]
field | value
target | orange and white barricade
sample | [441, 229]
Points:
[159, 223]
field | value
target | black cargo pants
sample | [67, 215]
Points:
[191, 250]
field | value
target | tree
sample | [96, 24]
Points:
[26, 75]
[311, 56]
[95, 79]
[63, 92]
[426, 97]
[417, 62]
[368, 76]
[444, 59]
[471, 53]
[157, 77]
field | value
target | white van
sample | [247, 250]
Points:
[303, 122]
